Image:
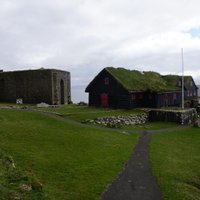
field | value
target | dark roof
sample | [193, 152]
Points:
[29, 70]
[198, 90]
[133, 80]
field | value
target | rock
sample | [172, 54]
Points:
[42, 105]
[82, 103]
[197, 124]
[118, 121]
[26, 187]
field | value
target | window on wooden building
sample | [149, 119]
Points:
[165, 97]
[140, 96]
[106, 81]
[174, 96]
[133, 97]
[150, 96]
[191, 83]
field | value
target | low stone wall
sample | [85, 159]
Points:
[117, 121]
[184, 117]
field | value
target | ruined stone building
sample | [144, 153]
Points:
[35, 86]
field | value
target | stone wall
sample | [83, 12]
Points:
[36, 86]
[61, 87]
[118, 121]
[184, 117]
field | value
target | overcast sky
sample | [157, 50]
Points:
[84, 36]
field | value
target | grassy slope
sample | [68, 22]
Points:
[176, 159]
[73, 162]
[82, 113]
[151, 126]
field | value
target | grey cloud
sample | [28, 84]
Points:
[83, 36]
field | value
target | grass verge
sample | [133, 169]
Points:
[151, 126]
[175, 159]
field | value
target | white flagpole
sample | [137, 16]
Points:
[182, 79]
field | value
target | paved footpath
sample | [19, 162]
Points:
[136, 182]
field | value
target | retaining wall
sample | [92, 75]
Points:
[184, 117]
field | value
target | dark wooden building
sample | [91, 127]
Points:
[122, 88]
[35, 86]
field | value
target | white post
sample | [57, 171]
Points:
[182, 79]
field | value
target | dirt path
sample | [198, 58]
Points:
[136, 182]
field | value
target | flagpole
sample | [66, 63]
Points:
[182, 79]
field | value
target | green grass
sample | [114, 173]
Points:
[82, 113]
[72, 161]
[176, 160]
[151, 126]
[136, 81]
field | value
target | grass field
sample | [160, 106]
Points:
[151, 126]
[72, 161]
[176, 160]
[82, 113]
[78, 162]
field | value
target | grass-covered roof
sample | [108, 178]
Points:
[134, 80]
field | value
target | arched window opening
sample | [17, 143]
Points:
[62, 97]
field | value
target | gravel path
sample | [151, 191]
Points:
[136, 182]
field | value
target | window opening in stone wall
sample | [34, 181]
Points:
[55, 91]
[62, 97]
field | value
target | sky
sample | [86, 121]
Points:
[84, 36]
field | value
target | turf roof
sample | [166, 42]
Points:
[134, 80]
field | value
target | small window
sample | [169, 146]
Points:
[133, 97]
[191, 83]
[106, 81]
[174, 96]
[179, 83]
[140, 96]
[188, 93]
[150, 96]
[165, 97]
[194, 93]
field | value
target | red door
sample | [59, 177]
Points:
[104, 100]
